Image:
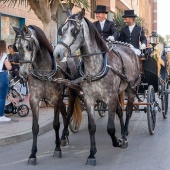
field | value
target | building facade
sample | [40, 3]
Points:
[15, 16]
[145, 9]
[19, 15]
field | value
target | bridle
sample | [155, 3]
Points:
[30, 46]
[77, 23]
[34, 72]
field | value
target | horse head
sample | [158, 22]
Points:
[72, 35]
[27, 46]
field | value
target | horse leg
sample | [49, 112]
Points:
[35, 129]
[112, 106]
[119, 112]
[129, 109]
[70, 109]
[91, 160]
[56, 126]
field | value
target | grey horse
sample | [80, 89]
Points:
[106, 74]
[38, 63]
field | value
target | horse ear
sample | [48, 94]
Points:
[71, 6]
[17, 30]
[25, 28]
[69, 12]
[81, 14]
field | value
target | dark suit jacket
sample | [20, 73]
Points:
[133, 38]
[108, 30]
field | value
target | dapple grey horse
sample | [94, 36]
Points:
[38, 63]
[105, 76]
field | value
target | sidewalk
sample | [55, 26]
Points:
[20, 128]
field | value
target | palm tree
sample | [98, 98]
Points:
[46, 11]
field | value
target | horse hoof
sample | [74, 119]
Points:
[91, 162]
[63, 143]
[32, 161]
[57, 154]
[120, 141]
[125, 144]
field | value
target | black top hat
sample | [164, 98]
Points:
[101, 9]
[129, 14]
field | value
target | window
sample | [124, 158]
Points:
[7, 33]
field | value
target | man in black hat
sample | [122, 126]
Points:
[105, 27]
[132, 33]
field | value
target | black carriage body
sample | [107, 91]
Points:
[150, 74]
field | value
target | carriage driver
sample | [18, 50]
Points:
[132, 33]
[105, 27]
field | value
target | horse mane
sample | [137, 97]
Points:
[95, 36]
[42, 38]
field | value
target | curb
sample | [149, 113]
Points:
[26, 135]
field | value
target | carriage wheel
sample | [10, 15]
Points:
[151, 116]
[101, 107]
[73, 127]
[23, 110]
[164, 101]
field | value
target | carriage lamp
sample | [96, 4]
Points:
[154, 39]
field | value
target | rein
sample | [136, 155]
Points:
[85, 55]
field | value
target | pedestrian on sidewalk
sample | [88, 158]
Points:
[4, 81]
[13, 58]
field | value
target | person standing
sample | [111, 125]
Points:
[4, 67]
[105, 27]
[132, 33]
[13, 57]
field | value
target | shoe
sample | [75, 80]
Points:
[4, 119]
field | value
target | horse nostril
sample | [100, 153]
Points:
[58, 55]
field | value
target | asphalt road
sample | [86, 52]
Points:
[145, 152]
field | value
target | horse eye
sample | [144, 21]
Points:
[73, 32]
[27, 47]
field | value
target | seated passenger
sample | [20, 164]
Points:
[132, 33]
[105, 27]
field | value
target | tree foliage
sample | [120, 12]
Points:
[46, 11]
[79, 3]
[162, 40]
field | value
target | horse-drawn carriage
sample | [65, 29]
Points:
[152, 88]
[102, 79]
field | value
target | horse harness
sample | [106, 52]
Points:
[105, 68]
[34, 72]
[70, 82]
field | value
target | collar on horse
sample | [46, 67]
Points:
[98, 76]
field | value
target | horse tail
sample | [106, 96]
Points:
[122, 99]
[77, 113]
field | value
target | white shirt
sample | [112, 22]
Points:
[131, 28]
[102, 24]
[2, 61]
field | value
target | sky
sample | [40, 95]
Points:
[163, 10]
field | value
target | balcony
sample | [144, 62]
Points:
[123, 4]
